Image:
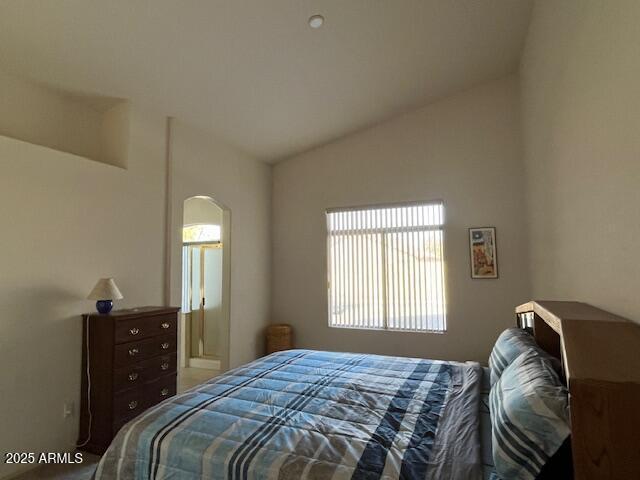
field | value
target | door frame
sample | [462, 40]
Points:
[176, 289]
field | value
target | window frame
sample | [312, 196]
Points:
[441, 228]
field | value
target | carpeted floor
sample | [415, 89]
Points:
[190, 377]
[81, 471]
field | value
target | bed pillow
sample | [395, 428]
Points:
[509, 345]
[529, 416]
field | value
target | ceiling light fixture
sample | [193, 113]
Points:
[316, 21]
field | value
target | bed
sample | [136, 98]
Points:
[303, 414]
[311, 414]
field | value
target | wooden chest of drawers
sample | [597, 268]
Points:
[132, 366]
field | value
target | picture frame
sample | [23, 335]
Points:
[483, 253]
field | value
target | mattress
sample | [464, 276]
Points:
[311, 415]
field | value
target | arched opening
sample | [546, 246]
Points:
[205, 287]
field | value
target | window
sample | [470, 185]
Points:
[200, 232]
[386, 269]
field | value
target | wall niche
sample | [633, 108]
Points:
[91, 126]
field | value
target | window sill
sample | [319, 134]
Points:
[391, 330]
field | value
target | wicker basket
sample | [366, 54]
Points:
[279, 338]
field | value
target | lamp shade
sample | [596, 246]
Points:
[105, 289]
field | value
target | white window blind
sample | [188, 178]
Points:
[386, 269]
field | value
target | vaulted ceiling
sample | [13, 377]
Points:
[252, 71]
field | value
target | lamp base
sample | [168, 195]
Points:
[104, 306]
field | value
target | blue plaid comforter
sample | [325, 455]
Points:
[314, 415]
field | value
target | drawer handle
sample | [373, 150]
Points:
[133, 404]
[133, 376]
[164, 366]
[164, 392]
[134, 331]
[133, 352]
[165, 325]
[164, 345]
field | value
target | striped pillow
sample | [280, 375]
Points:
[529, 416]
[510, 344]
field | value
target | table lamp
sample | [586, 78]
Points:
[105, 292]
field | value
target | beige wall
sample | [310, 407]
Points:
[204, 165]
[67, 221]
[465, 150]
[581, 117]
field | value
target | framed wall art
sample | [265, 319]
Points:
[483, 251]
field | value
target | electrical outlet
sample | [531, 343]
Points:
[69, 409]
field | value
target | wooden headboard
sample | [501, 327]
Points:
[600, 354]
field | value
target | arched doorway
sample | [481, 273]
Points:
[205, 286]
